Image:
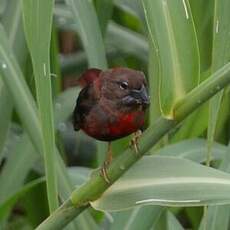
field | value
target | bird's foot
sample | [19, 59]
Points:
[107, 162]
[104, 172]
[134, 141]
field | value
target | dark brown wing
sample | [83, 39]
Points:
[84, 104]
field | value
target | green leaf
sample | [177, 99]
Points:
[217, 215]
[220, 56]
[127, 41]
[172, 222]
[55, 63]
[90, 33]
[193, 126]
[14, 29]
[37, 17]
[154, 81]
[18, 89]
[193, 149]
[139, 218]
[203, 19]
[25, 104]
[64, 105]
[13, 174]
[119, 37]
[104, 10]
[21, 150]
[166, 181]
[79, 175]
[131, 6]
[12, 199]
[5, 115]
[2, 6]
[168, 23]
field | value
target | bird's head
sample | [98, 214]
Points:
[126, 87]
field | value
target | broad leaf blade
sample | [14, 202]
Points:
[166, 181]
[171, 29]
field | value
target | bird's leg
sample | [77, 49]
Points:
[106, 163]
[134, 141]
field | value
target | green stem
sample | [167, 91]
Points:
[60, 219]
[94, 188]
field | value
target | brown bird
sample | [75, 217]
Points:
[111, 105]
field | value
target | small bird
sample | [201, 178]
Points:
[111, 105]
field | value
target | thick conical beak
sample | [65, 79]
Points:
[141, 96]
[137, 97]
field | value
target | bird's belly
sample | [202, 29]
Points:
[116, 128]
[126, 124]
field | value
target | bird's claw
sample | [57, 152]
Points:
[104, 173]
[107, 162]
[134, 141]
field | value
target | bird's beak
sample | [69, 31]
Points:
[137, 97]
[141, 96]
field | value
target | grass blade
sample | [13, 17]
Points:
[104, 10]
[127, 41]
[203, 19]
[13, 175]
[220, 56]
[37, 17]
[26, 105]
[5, 115]
[90, 33]
[168, 22]
[11, 200]
[13, 26]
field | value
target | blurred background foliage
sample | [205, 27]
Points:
[177, 44]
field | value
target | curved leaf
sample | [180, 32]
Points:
[171, 29]
[166, 181]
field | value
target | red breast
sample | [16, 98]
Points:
[121, 126]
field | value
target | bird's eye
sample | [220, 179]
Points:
[124, 85]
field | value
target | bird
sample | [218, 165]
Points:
[111, 105]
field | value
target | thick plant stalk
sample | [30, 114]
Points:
[95, 187]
